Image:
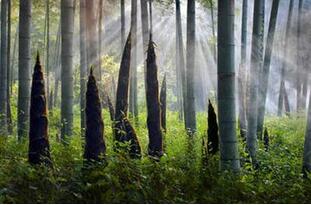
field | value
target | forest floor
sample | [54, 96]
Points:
[180, 176]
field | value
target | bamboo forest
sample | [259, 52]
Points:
[155, 101]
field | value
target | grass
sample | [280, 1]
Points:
[179, 177]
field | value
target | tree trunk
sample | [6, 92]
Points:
[191, 114]
[123, 131]
[305, 70]
[229, 157]
[56, 87]
[111, 110]
[281, 98]
[50, 99]
[264, 78]
[113, 89]
[100, 22]
[95, 147]
[307, 143]
[298, 88]
[242, 71]
[247, 95]
[213, 29]
[57, 66]
[92, 38]
[3, 69]
[145, 32]
[39, 147]
[145, 24]
[163, 104]
[304, 91]
[47, 58]
[133, 76]
[67, 20]
[83, 62]
[9, 114]
[122, 23]
[255, 71]
[13, 64]
[155, 147]
[286, 50]
[150, 20]
[180, 66]
[24, 68]
[300, 67]
[286, 103]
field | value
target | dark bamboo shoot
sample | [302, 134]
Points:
[39, 148]
[212, 132]
[124, 132]
[95, 147]
[155, 148]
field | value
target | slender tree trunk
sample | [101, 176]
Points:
[39, 147]
[92, 38]
[56, 48]
[163, 103]
[305, 70]
[83, 62]
[145, 24]
[9, 50]
[51, 99]
[150, 20]
[56, 88]
[133, 76]
[229, 158]
[145, 32]
[113, 89]
[57, 65]
[307, 143]
[264, 78]
[67, 20]
[191, 114]
[44, 34]
[213, 29]
[180, 64]
[13, 64]
[300, 68]
[286, 50]
[100, 22]
[286, 103]
[56, 83]
[298, 88]
[3, 69]
[304, 91]
[281, 98]
[9, 114]
[122, 23]
[256, 66]
[242, 71]
[247, 94]
[47, 58]
[111, 110]
[24, 68]
[179, 80]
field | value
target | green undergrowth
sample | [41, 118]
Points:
[179, 177]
